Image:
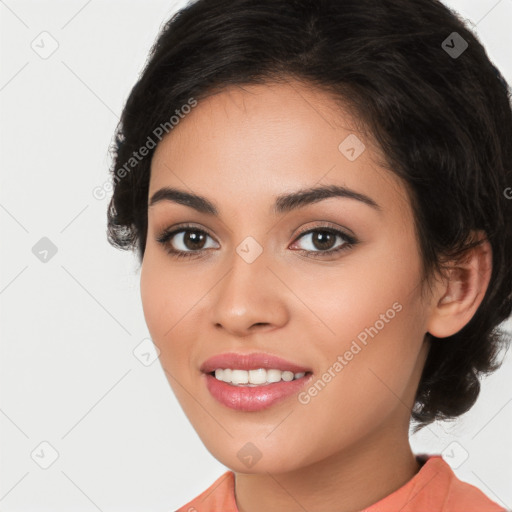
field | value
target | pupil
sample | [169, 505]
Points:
[323, 240]
[194, 237]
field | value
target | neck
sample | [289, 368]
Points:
[347, 481]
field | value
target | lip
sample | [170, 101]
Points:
[251, 361]
[257, 398]
[252, 398]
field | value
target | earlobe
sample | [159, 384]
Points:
[462, 291]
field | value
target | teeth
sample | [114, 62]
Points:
[258, 377]
[239, 377]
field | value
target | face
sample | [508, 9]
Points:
[331, 285]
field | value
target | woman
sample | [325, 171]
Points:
[316, 190]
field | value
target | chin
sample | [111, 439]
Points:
[254, 458]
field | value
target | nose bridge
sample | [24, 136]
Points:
[247, 277]
[248, 293]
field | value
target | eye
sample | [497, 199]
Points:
[184, 241]
[321, 241]
[187, 241]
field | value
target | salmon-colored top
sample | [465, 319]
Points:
[435, 488]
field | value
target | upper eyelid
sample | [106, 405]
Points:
[327, 225]
[180, 229]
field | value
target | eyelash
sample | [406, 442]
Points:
[165, 237]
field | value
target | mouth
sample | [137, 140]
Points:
[253, 382]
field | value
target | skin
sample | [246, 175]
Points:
[348, 447]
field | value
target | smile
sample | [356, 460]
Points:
[258, 377]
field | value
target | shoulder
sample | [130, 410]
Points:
[436, 487]
[463, 496]
[219, 496]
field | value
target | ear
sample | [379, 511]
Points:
[461, 292]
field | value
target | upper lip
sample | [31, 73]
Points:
[251, 361]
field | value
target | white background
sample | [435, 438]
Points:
[69, 326]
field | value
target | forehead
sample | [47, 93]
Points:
[260, 112]
[260, 140]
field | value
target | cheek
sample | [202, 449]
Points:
[362, 384]
[369, 289]
[170, 298]
[164, 298]
[375, 322]
[152, 296]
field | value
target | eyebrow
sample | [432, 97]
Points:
[284, 203]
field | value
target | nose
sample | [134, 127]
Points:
[250, 298]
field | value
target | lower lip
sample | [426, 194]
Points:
[245, 398]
